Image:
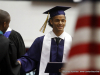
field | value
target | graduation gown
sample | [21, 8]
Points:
[43, 50]
[17, 39]
[8, 63]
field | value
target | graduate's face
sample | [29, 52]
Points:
[58, 22]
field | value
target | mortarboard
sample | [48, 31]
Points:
[57, 10]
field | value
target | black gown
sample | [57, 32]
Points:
[17, 39]
[8, 57]
[19, 43]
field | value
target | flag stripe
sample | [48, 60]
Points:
[84, 21]
[88, 21]
[82, 35]
[85, 8]
[84, 48]
[85, 35]
[83, 61]
[76, 62]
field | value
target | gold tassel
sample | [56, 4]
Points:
[45, 23]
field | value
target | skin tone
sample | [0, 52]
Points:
[58, 23]
[19, 62]
[4, 27]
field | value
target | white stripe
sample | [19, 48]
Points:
[97, 62]
[88, 8]
[85, 8]
[86, 35]
[82, 35]
[98, 8]
[67, 46]
[78, 62]
[83, 62]
[45, 54]
[96, 38]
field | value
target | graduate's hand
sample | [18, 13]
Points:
[19, 62]
[62, 71]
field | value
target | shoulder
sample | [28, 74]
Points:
[4, 41]
[15, 32]
[68, 36]
[37, 43]
[39, 39]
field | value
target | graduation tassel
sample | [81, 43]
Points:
[45, 23]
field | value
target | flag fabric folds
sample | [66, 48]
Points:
[84, 56]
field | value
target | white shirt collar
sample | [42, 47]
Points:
[62, 36]
[9, 29]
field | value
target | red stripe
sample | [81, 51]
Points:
[88, 21]
[83, 74]
[84, 21]
[98, 21]
[89, 48]
[96, 49]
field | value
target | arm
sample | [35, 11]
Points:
[31, 58]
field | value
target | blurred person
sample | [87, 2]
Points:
[14, 37]
[84, 56]
[8, 56]
[52, 47]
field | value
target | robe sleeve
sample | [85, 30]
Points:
[11, 58]
[31, 58]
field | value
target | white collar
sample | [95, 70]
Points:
[9, 29]
[62, 36]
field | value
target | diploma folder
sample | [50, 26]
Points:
[53, 67]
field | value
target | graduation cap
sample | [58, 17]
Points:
[57, 10]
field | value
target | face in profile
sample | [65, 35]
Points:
[6, 25]
[58, 22]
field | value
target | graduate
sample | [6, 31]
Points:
[8, 56]
[52, 47]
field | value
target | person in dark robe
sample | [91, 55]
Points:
[52, 47]
[8, 56]
[17, 39]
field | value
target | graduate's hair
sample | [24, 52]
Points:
[50, 23]
[4, 16]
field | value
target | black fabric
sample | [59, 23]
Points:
[57, 40]
[8, 63]
[17, 39]
[3, 50]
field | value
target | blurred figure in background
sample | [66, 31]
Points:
[84, 56]
[8, 56]
[14, 37]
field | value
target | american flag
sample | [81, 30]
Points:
[84, 55]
